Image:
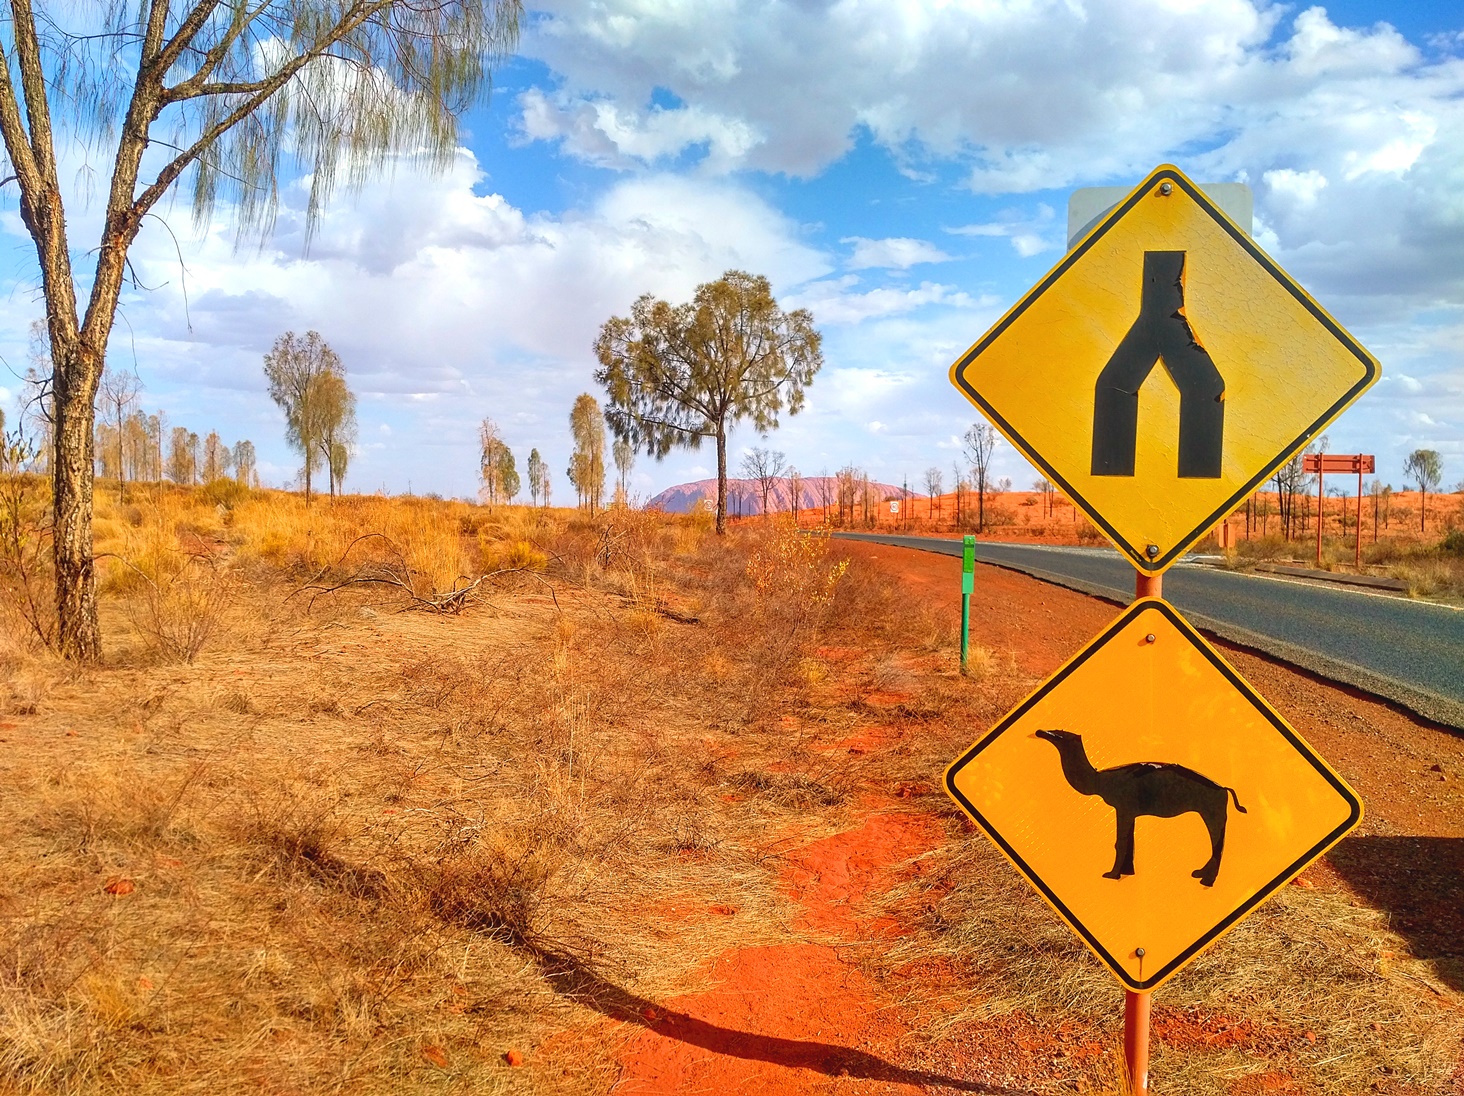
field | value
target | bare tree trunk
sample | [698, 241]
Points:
[721, 481]
[78, 630]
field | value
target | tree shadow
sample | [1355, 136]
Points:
[571, 977]
[1419, 882]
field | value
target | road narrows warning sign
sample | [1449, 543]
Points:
[1150, 795]
[1163, 370]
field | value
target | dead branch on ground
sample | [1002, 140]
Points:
[398, 574]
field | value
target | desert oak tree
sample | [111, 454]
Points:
[1426, 470]
[679, 374]
[237, 96]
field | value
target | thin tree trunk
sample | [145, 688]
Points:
[121, 466]
[721, 482]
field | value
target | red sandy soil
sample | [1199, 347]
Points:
[796, 1018]
[803, 1018]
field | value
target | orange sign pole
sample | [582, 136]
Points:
[1136, 1040]
[1148, 585]
[1357, 563]
[1320, 470]
[1136, 1005]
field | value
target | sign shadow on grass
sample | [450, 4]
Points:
[1419, 883]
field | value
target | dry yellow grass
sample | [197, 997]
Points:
[348, 848]
[352, 849]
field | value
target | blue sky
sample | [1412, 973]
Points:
[900, 169]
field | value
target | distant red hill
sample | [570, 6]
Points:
[744, 496]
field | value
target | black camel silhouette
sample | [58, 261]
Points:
[1146, 787]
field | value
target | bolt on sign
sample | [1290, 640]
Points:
[1163, 370]
[1150, 795]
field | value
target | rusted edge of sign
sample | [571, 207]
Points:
[1135, 553]
[1257, 701]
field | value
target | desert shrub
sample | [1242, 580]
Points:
[1429, 577]
[179, 601]
[493, 889]
[1453, 542]
[227, 493]
[500, 555]
[791, 569]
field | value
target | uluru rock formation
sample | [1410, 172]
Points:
[744, 496]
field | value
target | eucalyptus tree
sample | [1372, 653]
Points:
[538, 472]
[764, 466]
[244, 458]
[491, 448]
[118, 392]
[508, 475]
[299, 369]
[333, 406]
[934, 484]
[677, 375]
[218, 458]
[587, 462]
[182, 466]
[979, 445]
[623, 454]
[235, 98]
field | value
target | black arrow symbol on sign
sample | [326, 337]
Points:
[1161, 333]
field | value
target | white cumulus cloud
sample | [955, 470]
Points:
[894, 253]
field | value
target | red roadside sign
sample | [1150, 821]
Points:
[1353, 463]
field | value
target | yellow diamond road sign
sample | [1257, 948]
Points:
[1163, 370]
[1150, 795]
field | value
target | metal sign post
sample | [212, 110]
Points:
[968, 584]
[1149, 718]
[1136, 1005]
[1136, 1041]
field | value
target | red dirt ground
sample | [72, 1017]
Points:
[802, 1018]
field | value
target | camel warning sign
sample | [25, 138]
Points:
[1163, 370]
[1150, 795]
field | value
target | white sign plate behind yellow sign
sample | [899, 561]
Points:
[1163, 370]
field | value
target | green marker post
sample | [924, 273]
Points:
[968, 583]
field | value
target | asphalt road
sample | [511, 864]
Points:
[1411, 652]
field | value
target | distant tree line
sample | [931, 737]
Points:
[132, 445]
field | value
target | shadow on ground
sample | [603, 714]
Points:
[573, 978]
[1419, 883]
